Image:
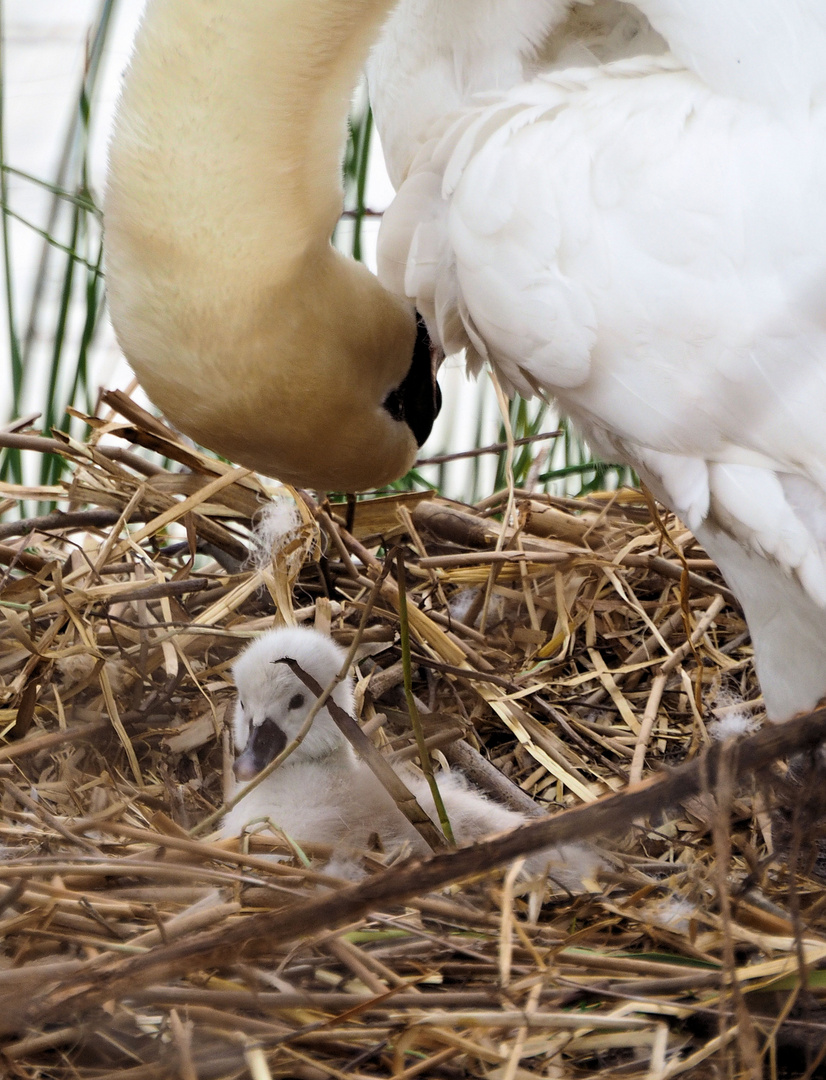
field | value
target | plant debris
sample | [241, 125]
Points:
[578, 659]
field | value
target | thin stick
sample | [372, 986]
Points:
[56, 738]
[703, 624]
[649, 716]
[491, 448]
[415, 719]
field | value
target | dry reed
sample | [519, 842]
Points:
[584, 648]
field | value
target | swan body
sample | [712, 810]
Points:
[642, 233]
[323, 793]
[241, 321]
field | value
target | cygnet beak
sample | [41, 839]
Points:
[265, 743]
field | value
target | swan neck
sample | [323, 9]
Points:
[242, 105]
[244, 325]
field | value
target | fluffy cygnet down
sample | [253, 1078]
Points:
[323, 792]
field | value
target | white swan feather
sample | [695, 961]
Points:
[644, 238]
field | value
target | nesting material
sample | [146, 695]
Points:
[576, 646]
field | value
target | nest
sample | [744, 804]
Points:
[587, 649]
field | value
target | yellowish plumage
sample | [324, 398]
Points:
[243, 324]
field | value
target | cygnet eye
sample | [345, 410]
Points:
[296, 701]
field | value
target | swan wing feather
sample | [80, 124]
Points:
[651, 254]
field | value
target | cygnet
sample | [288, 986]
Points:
[323, 792]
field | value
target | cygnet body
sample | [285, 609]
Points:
[323, 792]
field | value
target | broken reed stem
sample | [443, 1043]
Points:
[491, 448]
[649, 716]
[54, 739]
[103, 978]
[415, 719]
[679, 654]
[77, 519]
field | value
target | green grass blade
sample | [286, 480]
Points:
[10, 464]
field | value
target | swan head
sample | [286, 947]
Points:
[312, 383]
[273, 703]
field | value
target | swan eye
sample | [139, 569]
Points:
[240, 705]
[296, 701]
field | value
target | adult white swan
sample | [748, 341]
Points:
[644, 237]
[625, 205]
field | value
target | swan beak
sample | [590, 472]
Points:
[265, 743]
[418, 398]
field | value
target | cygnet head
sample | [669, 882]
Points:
[273, 703]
